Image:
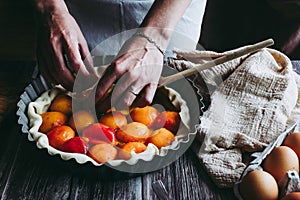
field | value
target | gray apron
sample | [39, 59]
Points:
[100, 20]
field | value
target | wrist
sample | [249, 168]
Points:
[150, 40]
[157, 36]
[48, 8]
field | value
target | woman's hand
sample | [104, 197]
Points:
[59, 40]
[135, 72]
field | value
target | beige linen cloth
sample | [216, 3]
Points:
[252, 100]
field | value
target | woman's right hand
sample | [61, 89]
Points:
[59, 38]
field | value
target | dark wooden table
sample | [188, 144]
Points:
[27, 172]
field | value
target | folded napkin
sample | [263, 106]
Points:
[250, 100]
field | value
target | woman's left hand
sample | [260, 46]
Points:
[135, 73]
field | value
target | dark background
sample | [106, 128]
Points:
[227, 24]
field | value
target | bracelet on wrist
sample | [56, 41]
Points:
[141, 34]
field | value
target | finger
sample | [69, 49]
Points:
[129, 96]
[113, 73]
[74, 57]
[61, 73]
[104, 84]
[126, 100]
[124, 85]
[146, 96]
[128, 81]
[87, 57]
[77, 67]
[90, 75]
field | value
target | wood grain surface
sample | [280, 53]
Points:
[27, 172]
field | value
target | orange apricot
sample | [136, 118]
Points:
[59, 135]
[137, 147]
[103, 152]
[62, 103]
[145, 115]
[113, 119]
[133, 132]
[51, 120]
[167, 119]
[161, 138]
[81, 119]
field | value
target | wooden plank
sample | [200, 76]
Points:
[31, 175]
[185, 179]
[193, 182]
[165, 175]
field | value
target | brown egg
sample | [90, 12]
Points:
[258, 185]
[292, 196]
[279, 161]
[293, 141]
[145, 115]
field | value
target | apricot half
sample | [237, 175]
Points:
[113, 119]
[75, 145]
[59, 135]
[145, 115]
[133, 132]
[161, 138]
[62, 103]
[137, 147]
[51, 120]
[99, 133]
[103, 152]
[81, 119]
[167, 119]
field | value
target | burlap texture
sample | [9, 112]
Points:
[251, 101]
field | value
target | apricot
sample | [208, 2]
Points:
[113, 119]
[75, 145]
[167, 119]
[103, 152]
[133, 132]
[145, 115]
[51, 120]
[124, 152]
[161, 138]
[99, 133]
[81, 119]
[62, 103]
[137, 147]
[59, 135]
[123, 155]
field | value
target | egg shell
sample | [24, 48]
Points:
[292, 196]
[280, 160]
[258, 184]
[293, 141]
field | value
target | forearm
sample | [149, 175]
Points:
[162, 19]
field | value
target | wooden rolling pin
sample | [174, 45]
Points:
[196, 69]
